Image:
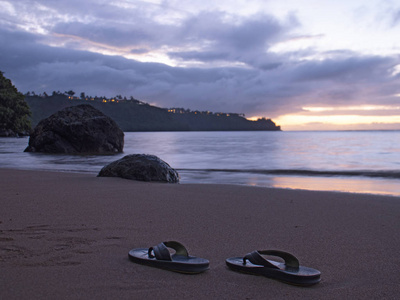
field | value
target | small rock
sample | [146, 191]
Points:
[141, 167]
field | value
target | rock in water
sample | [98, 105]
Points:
[141, 167]
[77, 129]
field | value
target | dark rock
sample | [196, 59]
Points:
[141, 167]
[77, 129]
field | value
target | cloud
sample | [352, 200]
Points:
[221, 61]
[349, 69]
[396, 17]
[209, 35]
[283, 89]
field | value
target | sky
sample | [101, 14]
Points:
[306, 64]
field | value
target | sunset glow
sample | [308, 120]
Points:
[351, 108]
[336, 120]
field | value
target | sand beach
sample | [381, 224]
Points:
[67, 236]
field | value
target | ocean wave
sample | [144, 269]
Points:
[389, 174]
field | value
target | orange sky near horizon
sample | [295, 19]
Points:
[363, 117]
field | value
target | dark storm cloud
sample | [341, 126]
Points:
[243, 41]
[253, 33]
[34, 66]
[204, 56]
[246, 41]
[254, 81]
[349, 69]
[136, 33]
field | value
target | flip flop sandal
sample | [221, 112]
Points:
[289, 272]
[160, 257]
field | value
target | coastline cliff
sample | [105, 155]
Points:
[135, 115]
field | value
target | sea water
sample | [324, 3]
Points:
[349, 161]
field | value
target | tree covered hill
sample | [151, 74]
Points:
[135, 115]
[14, 111]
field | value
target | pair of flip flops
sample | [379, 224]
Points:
[254, 263]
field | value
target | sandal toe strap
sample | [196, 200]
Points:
[161, 251]
[256, 258]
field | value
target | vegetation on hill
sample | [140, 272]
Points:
[14, 111]
[135, 115]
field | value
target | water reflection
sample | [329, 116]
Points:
[246, 158]
[352, 185]
[339, 184]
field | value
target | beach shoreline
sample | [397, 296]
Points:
[67, 235]
[356, 185]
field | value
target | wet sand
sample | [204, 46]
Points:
[67, 236]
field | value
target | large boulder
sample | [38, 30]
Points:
[141, 167]
[77, 129]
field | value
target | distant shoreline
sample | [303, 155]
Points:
[136, 116]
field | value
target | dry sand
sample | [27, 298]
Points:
[67, 236]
